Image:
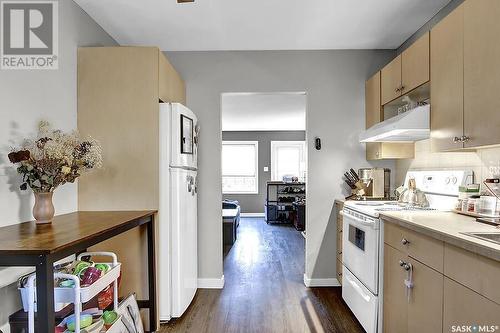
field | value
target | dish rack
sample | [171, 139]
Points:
[78, 294]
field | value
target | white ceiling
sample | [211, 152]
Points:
[262, 24]
[263, 111]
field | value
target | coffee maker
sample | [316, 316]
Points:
[377, 183]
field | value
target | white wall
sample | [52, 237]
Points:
[334, 82]
[25, 98]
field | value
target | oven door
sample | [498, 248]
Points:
[360, 249]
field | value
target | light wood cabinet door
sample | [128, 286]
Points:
[395, 300]
[464, 307]
[390, 77]
[415, 65]
[389, 150]
[425, 305]
[373, 107]
[447, 81]
[481, 72]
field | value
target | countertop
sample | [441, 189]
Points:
[447, 227]
[339, 201]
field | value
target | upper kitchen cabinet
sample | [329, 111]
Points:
[465, 76]
[481, 73]
[415, 65]
[407, 71]
[447, 77]
[391, 80]
[374, 115]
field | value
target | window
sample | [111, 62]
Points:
[288, 158]
[239, 167]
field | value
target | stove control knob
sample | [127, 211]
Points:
[447, 180]
[454, 180]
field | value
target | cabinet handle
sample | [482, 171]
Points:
[398, 89]
[404, 241]
[461, 139]
[402, 88]
[405, 265]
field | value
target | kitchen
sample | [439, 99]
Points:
[436, 63]
[425, 258]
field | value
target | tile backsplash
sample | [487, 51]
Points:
[484, 162]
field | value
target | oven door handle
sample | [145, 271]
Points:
[357, 288]
[360, 221]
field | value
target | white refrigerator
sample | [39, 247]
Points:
[177, 216]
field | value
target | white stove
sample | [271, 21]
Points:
[362, 246]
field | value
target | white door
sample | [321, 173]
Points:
[360, 247]
[184, 129]
[184, 239]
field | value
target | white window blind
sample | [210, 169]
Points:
[240, 167]
[288, 158]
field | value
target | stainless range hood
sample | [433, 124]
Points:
[413, 125]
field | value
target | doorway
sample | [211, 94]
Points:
[264, 175]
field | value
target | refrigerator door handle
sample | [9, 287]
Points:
[196, 185]
[190, 183]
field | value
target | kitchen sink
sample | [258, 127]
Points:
[493, 237]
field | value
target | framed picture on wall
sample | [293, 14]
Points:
[187, 134]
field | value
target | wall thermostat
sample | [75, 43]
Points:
[317, 143]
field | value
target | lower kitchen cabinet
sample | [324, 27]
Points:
[395, 302]
[420, 309]
[338, 208]
[425, 305]
[465, 307]
[462, 292]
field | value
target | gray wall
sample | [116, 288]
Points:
[334, 82]
[254, 203]
[431, 23]
[26, 96]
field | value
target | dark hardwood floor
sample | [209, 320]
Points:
[264, 290]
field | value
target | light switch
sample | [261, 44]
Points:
[266, 169]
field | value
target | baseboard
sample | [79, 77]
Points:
[329, 282]
[252, 215]
[211, 283]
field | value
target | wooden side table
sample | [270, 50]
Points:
[28, 244]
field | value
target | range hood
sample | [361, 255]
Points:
[413, 125]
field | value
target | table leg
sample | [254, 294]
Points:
[45, 321]
[152, 274]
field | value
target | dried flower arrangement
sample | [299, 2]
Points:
[54, 158]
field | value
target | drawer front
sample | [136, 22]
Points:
[339, 245]
[338, 208]
[423, 248]
[476, 272]
[339, 271]
[464, 307]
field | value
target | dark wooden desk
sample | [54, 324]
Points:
[28, 244]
